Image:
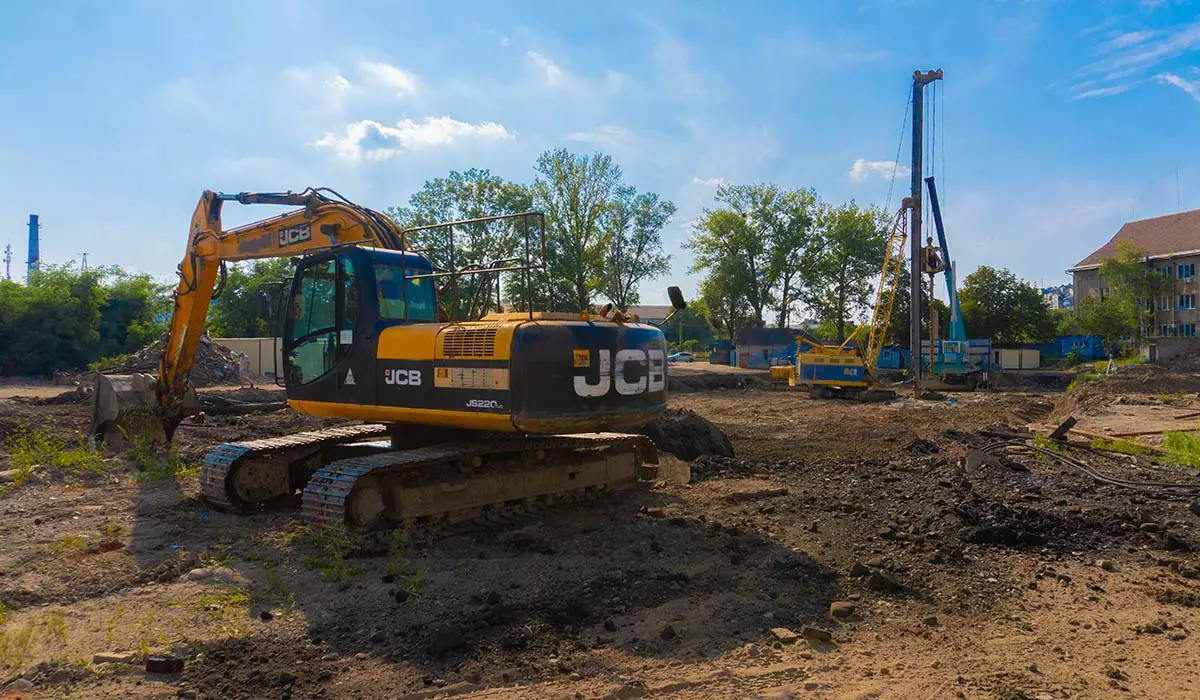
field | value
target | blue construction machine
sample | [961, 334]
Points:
[947, 364]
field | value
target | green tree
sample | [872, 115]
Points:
[1111, 318]
[235, 313]
[52, 323]
[1131, 279]
[1066, 322]
[575, 192]
[736, 238]
[897, 332]
[845, 261]
[134, 313]
[792, 219]
[460, 196]
[997, 304]
[721, 299]
[632, 244]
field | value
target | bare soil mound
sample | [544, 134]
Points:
[214, 363]
[687, 435]
[1141, 379]
[715, 381]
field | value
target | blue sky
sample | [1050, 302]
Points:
[1060, 120]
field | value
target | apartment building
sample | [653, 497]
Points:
[1172, 246]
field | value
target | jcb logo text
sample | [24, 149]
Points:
[635, 372]
[295, 234]
[402, 377]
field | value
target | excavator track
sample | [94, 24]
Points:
[236, 475]
[464, 481]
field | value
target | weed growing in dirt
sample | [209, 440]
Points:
[253, 555]
[1048, 443]
[39, 447]
[399, 567]
[334, 545]
[67, 543]
[15, 648]
[228, 606]
[1084, 378]
[155, 465]
[1128, 447]
[56, 626]
[1183, 448]
[277, 592]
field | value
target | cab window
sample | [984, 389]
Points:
[404, 300]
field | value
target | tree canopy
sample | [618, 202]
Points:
[997, 304]
[66, 318]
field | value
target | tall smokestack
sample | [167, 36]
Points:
[34, 256]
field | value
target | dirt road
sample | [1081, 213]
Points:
[952, 575]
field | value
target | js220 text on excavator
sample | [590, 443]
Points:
[466, 416]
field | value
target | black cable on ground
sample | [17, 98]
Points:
[1092, 472]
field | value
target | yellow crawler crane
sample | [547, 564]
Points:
[848, 370]
[475, 414]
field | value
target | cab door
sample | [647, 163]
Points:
[321, 361]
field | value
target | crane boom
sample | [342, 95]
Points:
[885, 292]
[958, 331]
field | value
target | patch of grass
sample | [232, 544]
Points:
[1046, 442]
[1083, 378]
[228, 606]
[32, 447]
[399, 567]
[1128, 447]
[332, 570]
[1183, 448]
[56, 626]
[253, 555]
[67, 543]
[14, 648]
[277, 592]
[157, 465]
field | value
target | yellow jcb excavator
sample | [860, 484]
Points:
[477, 414]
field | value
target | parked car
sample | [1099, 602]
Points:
[681, 357]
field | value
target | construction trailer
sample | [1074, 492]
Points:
[763, 348]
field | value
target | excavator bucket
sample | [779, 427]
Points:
[125, 411]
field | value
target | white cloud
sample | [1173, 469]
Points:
[370, 140]
[606, 135]
[1101, 92]
[865, 169]
[339, 82]
[554, 74]
[504, 40]
[708, 181]
[1133, 54]
[389, 76]
[1190, 87]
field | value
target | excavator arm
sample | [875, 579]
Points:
[325, 219]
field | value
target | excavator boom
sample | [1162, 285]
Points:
[325, 219]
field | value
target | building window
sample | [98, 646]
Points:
[1187, 272]
[1164, 303]
[1164, 330]
[1187, 301]
[1164, 271]
[1187, 330]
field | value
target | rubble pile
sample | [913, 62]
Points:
[213, 364]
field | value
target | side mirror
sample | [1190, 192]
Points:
[677, 299]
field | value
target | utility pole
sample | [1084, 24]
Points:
[920, 80]
[8, 262]
[83, 265]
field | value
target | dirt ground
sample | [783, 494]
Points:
[955, 574]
